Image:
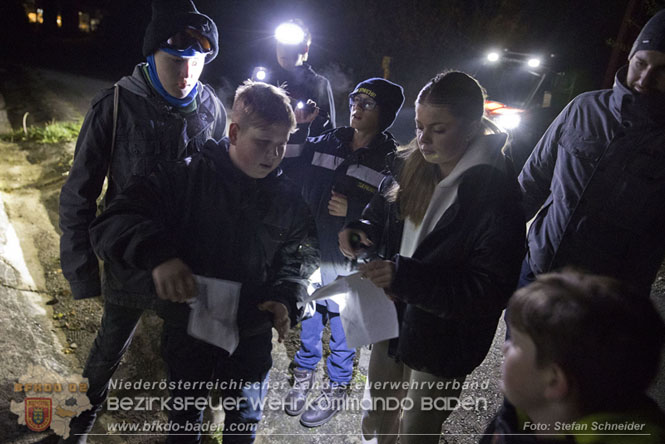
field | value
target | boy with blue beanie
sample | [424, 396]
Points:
[159, 113]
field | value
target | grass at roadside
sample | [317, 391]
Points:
[52, 132]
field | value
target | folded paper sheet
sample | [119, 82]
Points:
[368, 316]
[214, 313]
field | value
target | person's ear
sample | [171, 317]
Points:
[557, 383]
[473, 130]
[304, 53]
[234, 129]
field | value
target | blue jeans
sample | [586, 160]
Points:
[340, 361]
[113, 339]
[246, 373]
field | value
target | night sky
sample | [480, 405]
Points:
[350, 37]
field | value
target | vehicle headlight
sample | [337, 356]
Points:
[508, 121]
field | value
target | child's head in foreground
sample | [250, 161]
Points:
[261, 122]
[579, 343]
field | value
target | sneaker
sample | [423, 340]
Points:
[296, 399]
[325, 406]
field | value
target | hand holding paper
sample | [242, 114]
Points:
[214, 313]
[368, 316]
[174, 281]
[381, 273]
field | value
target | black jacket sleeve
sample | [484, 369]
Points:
[480, 280]
[294, 263]
[78, 199]
[328, 104]
[375, 216]
[134, 229]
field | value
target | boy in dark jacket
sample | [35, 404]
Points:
[340, 172]
[160, 112]
[228, 214]
[582, 352]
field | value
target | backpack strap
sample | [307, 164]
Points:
[220, 113]
[116, 94]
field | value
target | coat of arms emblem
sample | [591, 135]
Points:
[38, 413]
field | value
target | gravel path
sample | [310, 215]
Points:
[30, 190]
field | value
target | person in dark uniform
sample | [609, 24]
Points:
[293, 40]
[341, 170]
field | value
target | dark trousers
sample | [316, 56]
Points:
[242, 379]
[526, 274]
[113, 339]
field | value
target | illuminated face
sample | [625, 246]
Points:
[442, 138]
[177, 74]
[257, 151]
[522, 382]
[289, 56]
[362, 117]
[646, 72]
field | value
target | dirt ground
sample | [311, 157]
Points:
[30, 179]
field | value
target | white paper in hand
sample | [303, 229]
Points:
[214, 313]
[367, 315]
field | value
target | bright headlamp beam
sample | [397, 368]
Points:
[493, 56]
[260, 74]
[289, 34]
[533, 62]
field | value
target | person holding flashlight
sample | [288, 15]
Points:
[447, 230]
[303, 84]
[341, 170]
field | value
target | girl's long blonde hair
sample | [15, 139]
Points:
[464, 98]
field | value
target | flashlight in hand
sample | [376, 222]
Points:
[355, 241]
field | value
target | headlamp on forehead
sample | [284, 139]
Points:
[290, 34]
[187, 43]
[260, 74]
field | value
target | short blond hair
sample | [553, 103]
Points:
[259, 104]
